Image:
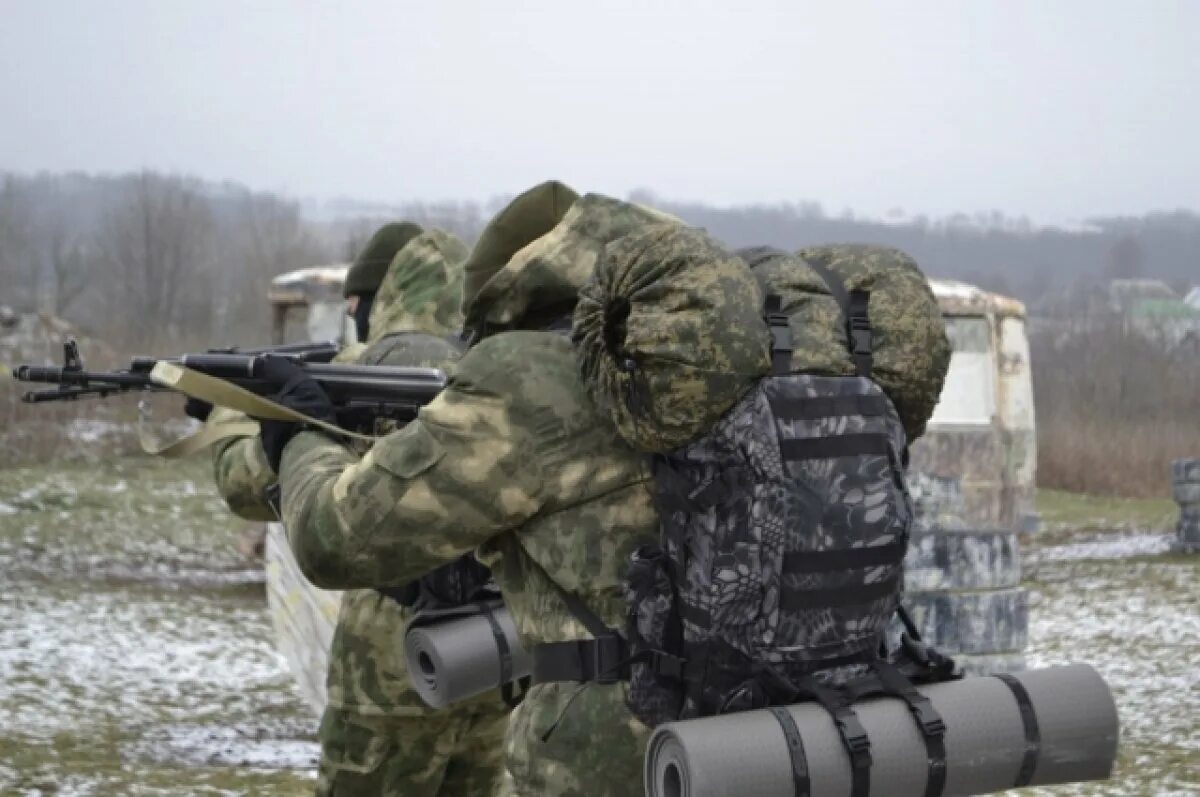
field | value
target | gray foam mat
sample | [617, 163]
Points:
[457, 659]
[745, 753]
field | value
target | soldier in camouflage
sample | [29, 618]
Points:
[377, 737]
[513, 460]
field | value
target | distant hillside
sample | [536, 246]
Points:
[187, 257]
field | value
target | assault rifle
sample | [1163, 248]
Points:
[362, 395]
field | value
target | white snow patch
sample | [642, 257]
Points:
[1108, 548]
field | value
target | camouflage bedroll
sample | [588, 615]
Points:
[670, 334]
[910, 350]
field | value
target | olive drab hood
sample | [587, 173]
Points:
[525, 219]
[371, 265]
[422, 289]
[540, 283]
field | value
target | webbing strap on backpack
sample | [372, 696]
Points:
[602, 660]
[858, 322]
[1033, 735]
[850, 729]
[801, 785]
[781, 335]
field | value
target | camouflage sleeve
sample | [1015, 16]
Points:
[463, 472]
[241, 471]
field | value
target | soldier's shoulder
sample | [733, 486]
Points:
[517, 354]
[412, 349]
[527, 367]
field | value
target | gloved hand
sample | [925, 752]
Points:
[301, 393]
[197, 408]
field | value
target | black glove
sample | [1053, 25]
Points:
[197, 408]
[300, 392]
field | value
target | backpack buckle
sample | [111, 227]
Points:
[927, 717]
[606, 659]
[854, 736]
[666, 665]
[861, 337]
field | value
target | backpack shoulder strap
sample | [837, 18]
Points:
[858, 322]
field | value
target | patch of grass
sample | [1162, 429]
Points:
[1064, 511]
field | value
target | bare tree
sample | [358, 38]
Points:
[19, 275]
[67, 258]
[155, 245]
[270, 238]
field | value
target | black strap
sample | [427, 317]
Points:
[1033, 735]
[854, 306]
[602, 661]
[793, 599]
[502, 648]
[510, 696]
[853, 734]
[861, 335]
[817, 407]
[791, 734]
[845, 445]
[928, 720]
[844, 558]
[677, 494]
[781, 335]
[579, 610]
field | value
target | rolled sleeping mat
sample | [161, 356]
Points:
[1038, 727]
[464, 653]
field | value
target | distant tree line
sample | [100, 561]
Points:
[148, 256]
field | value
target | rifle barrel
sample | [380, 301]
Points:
[70, 376]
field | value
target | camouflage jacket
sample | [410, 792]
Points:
[367, 671]
[513, 460]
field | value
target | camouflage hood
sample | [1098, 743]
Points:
[371, 265]
[540, 283]
[422, 288]
[526, 218]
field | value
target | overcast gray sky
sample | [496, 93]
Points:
[1058, 110]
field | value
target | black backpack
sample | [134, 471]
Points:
[780, 565]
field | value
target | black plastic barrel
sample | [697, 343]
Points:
[1185, 484]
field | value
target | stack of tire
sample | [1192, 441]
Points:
[963, 585]
[1185, 482]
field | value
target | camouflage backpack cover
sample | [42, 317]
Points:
[783, 505]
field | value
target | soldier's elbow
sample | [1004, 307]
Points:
[321, 565]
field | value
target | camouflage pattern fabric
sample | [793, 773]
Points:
[407, 757]
[377, 736]
[670, 334]
[423, 287]
[529, 216]
[241, 470]
[512, 459]
[373, 262]
[912, 352]
[541, 282]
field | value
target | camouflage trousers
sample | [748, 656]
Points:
[446, 753]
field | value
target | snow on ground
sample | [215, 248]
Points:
[1111, 546]
[135, 650]
[136, 655]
